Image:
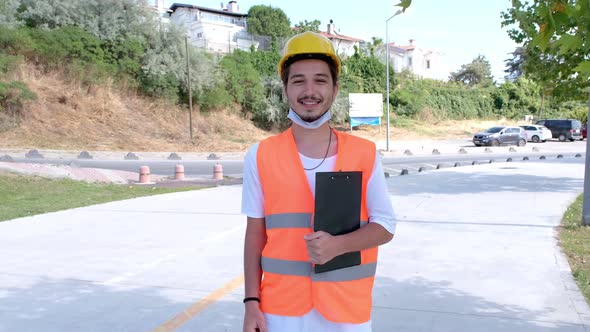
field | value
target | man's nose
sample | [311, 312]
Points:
[309, 88]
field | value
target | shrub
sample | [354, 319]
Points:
[214, 98]
[13, 95]
[9, 62]
[244, 84]
[160, 86]
[54, 47]
[15, 41]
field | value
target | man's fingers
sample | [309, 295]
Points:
[313, 236]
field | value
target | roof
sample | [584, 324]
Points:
[175, 6]
[339, 36]
[401, 48]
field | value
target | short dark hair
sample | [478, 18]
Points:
[318, 56]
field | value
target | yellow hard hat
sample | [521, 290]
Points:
[308, 45]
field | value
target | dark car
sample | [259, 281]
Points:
[584, 129]
[500, 135]
[563, 129]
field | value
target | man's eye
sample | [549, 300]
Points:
[297, 82]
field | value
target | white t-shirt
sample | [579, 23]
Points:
[378, 199]
[379, 209]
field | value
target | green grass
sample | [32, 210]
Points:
[575, 241]
[22, 196]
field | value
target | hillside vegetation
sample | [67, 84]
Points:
[67, 115]
[102, 75]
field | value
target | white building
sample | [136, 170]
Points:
[422, 62]
[216, 30]
[344, 45]
[157, 6]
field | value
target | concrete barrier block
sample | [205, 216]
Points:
[84, 155]
[174, 156]
[34, 154]
[131, 156]
[6, 158]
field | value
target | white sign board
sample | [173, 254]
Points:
[365, 105]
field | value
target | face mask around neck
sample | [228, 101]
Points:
[309, 125]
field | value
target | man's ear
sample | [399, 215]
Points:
[284, 94]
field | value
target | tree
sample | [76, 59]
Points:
[268, 21]
[515, 65]
[106, 19]
[313, 26]
[476, 73]
[555, 32]
[8, 13]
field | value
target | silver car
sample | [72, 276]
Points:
[500, 135]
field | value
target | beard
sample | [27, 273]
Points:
[310, 117]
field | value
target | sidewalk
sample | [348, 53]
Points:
[475, 250]
[396, 148]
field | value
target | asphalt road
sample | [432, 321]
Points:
[475, 250]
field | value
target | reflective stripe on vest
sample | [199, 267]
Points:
[304, 269]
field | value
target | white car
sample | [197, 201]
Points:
[537, 133]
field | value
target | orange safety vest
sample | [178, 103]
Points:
[289, 286]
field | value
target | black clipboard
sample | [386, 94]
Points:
[338, 211]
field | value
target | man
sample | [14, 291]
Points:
[282, 293]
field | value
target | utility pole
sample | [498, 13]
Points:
[586, 197]
[387, 72]
[190, 91]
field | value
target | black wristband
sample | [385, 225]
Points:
[251, 299]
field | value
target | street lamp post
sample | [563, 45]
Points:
[387, 71]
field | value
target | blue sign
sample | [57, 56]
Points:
[372, 121]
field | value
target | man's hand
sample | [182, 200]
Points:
[322, 247]
[254, 319]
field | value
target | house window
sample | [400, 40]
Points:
[200, 35]
[427, 64]
[410, 62]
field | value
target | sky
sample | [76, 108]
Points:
[459, 29]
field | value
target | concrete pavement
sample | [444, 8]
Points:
[475, 250]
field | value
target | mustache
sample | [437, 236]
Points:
[308, 98]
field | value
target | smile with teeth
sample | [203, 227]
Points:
[309, 102]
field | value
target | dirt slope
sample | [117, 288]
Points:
[69, 116]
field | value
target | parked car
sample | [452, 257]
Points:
[584, 129]
[501, 135]
[563, 129]
[537, 133]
